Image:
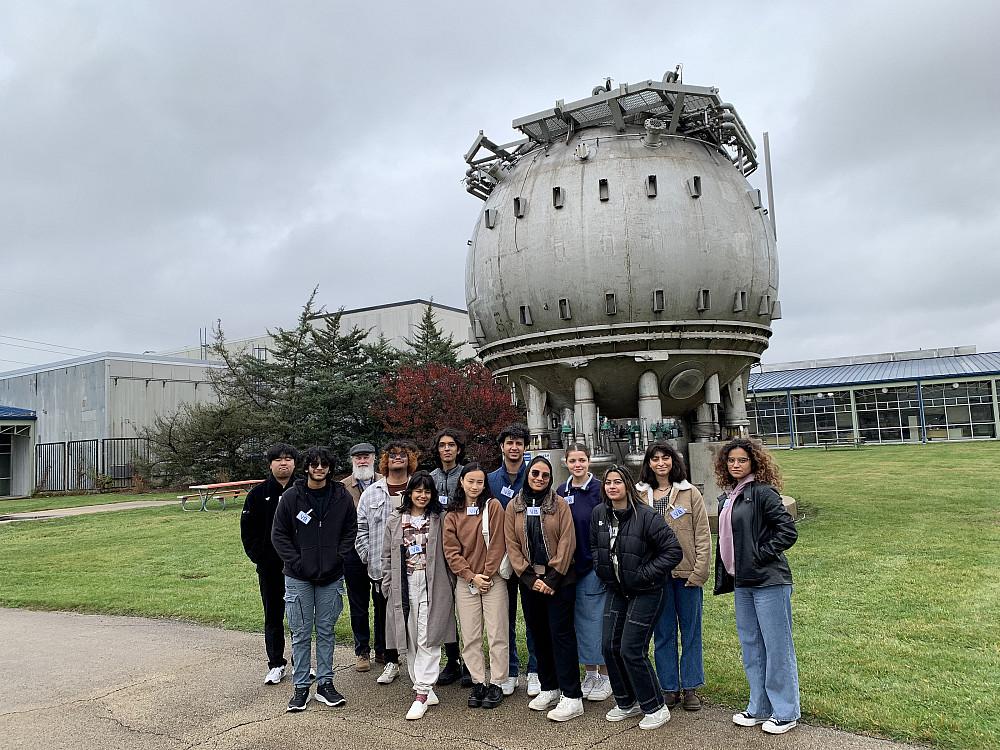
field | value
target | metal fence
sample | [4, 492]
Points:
[81, 465]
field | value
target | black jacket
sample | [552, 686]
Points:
[255, 523]
[647, 549]
[314, 551]
[762, 531]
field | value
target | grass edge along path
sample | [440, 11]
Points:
[897, 623]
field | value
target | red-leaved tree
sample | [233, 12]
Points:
[421, 400]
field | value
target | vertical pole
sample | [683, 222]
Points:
[770, 188]
[854, 419]
[923, 419]
[996, 410]
[791, 419]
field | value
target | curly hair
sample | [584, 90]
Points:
[761, 464]
[405, 445]
[678, 469]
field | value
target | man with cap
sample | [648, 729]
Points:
[359, 587]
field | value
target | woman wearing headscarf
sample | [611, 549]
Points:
[538, 528]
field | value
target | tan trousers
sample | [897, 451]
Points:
[475, 611]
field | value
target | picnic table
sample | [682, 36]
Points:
[220, 491]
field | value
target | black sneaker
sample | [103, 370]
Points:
[466, 677]
[477, 695]
[494, 695]
[299, 699]
[452, 672]
[327, 693]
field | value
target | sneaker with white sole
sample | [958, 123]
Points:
[588, 683]
[773, 726]
[534, 684]
[432, 699]
[299, 699]
[567, 708]
[602, 689]
[545, 699]
[274, 676]
[656, 719]
[745, 719]
[418, 709]
[390, 673]
[509, 686]
[620, 714]
[327, 693]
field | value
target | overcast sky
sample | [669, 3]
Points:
[164, 164]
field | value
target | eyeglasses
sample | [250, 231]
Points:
[395, 454]
[539, 474]
[739, 461]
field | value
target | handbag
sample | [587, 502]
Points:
[506, 570]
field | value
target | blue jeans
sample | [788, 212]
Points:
[764, 626]
[515, 664]
[628, 628]
[590, 594]
[306, 605]
[682, 607]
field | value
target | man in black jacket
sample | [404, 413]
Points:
[255, 529]
[315, 526]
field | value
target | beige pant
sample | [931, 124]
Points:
[474, 611]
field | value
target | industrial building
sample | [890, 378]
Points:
[903, 397]
[17, 448]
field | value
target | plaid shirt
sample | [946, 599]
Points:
[374, 508]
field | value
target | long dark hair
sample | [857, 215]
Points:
[631, 493]
[459, 439]
[678, 469]
[421, 480]
[457, 500]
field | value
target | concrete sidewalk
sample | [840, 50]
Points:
[84, 681]
[83, 510]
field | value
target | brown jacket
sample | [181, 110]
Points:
[691, 528]
[557, 533]
[465, 547]
[352, 486]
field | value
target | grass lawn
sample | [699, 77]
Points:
[896, 605]
[74, 501]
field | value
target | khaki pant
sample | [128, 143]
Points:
[475, 611]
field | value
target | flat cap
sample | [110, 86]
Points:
[362, 448]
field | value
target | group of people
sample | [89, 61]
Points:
[602, 566]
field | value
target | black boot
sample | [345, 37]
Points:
[452, 672]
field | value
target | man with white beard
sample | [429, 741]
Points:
[359, 586]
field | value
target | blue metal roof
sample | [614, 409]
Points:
[933, 368]
[12, 412]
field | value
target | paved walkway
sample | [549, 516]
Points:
[85, 681]
[83, 510]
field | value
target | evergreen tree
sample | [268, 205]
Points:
[429, 345]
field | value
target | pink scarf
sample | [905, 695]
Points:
[726, 551]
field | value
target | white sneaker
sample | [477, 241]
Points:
[620, 714]
[432, 699]
[545, 699]
[417, 711]
[275, 676]
[588, 684]
[390, 673]
[773, 726]
[601, 690]
[534, 684]
[568, 708]
[747, 720]
[509, 686]
[656, 719]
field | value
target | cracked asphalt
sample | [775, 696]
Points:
[87, 681]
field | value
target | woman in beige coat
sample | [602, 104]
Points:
[419, 587]
[665, 485]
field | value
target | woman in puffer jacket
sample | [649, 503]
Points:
[634, 551]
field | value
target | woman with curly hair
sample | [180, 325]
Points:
[418, 585]
[754, 532]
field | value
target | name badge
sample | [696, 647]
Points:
[414, 549]
[534, 511]
[569, 499]
[472, 511]
[443, 499]
[507, 492]
[677, 513]
[304, 517]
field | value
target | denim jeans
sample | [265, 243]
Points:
[514, 669]
[590, 593]
[628, 628]
[682, 607]
[307, 605]
[764, 626]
